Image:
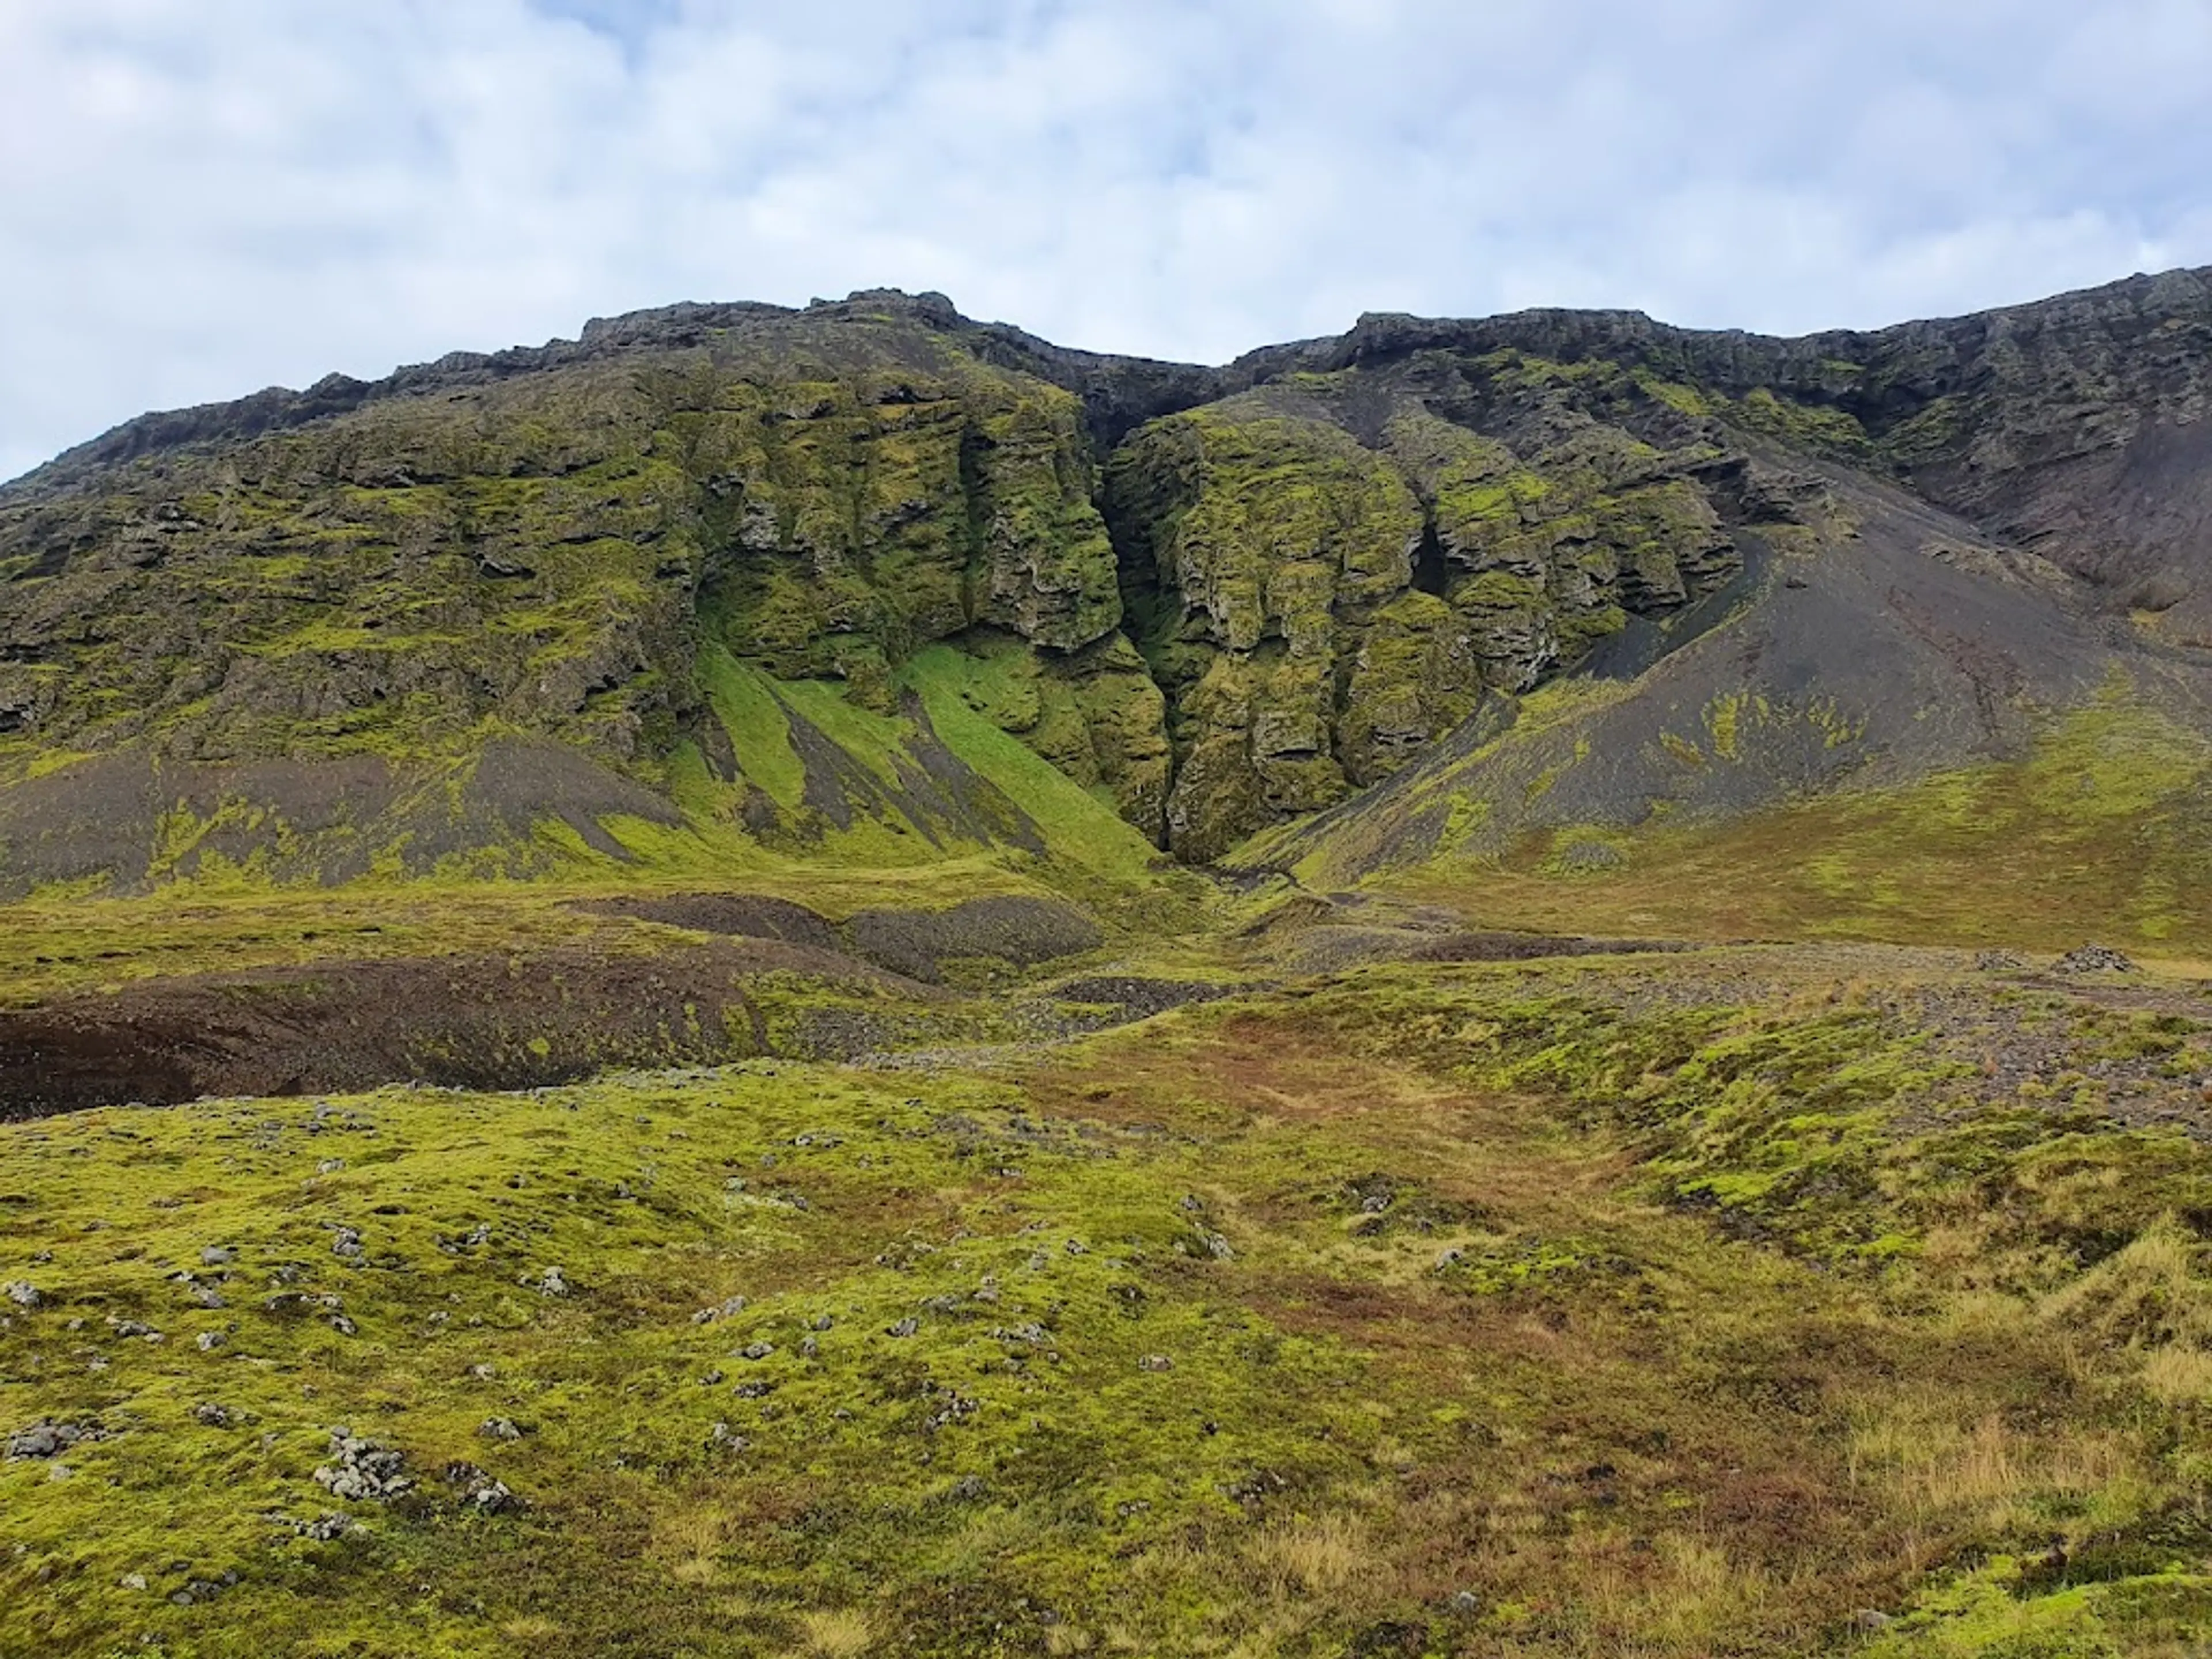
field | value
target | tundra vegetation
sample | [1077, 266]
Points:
[836, 982]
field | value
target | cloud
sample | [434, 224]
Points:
[197, 200]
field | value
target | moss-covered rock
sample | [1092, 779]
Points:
[1326, 574]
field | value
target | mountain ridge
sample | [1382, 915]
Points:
[1220, 600]
[1371, 334]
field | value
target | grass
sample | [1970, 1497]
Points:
[1594, 1308]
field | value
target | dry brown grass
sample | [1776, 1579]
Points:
[689, 1543]
[1316, 1557]
[836, 1633]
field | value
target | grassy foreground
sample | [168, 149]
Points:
[1767, 1301]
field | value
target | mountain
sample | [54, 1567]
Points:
[737, 584]
[838, 982]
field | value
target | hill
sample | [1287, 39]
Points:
[835, 982]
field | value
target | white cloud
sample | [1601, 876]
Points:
[201, 196]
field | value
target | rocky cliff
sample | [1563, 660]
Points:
[670, 573]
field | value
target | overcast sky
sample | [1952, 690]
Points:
[201, 198]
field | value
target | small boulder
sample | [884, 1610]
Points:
[47, 1439]
[362, 1471]
[2095, 959]
[480, 1490]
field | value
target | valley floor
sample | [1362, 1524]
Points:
[1765, 1300]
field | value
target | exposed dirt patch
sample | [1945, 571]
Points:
[1531, 947]
[1022, 932]
[1134, 999]
[496, 1022]
[741, 915]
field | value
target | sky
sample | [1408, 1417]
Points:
[202, 197]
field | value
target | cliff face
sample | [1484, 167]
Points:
[1218, 600]
[1328, 575]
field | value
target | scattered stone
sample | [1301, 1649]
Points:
[206, 1296]
[2095, 959]
[1869, 1619]
[501, 1428]
[957, 1407]
[210, 1341]
[906, 1327]
[1450, 1258]
[330, 1166]
[289, 1302]
[1997, 962]
[1467, 1603]
[22, 1294]
[1217, 1248]
[722, 1437]
[729, 1309]
[323, 1530]
[551, 1282]
[133, 1581]
[484, 1373]
[822, 1322]
[1156, 1361]
[482, 1490]
[362, 1472]
[970, 1489]
[60, 1472]
[133, 1330]
[346, 1245]
[756, 1351]
[47, 1439]
[213, 1416]
[343, 1326]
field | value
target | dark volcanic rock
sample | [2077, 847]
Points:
[464, 1022]
[1015, 932]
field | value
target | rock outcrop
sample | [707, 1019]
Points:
[1220, 599]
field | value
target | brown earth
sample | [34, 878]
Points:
[480, 1021]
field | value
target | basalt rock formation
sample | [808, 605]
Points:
[772, 572]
